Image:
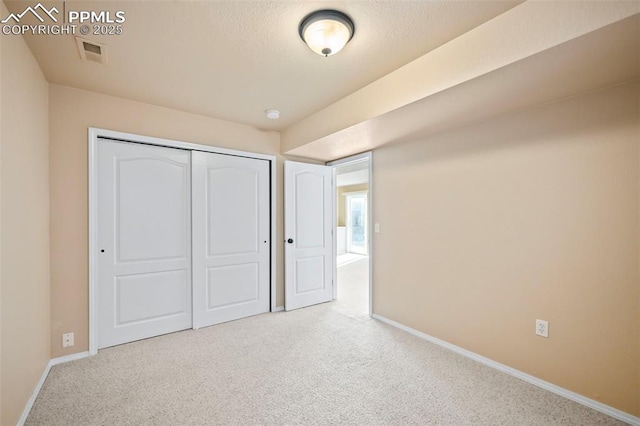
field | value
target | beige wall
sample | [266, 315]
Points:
[341, 204]
[24, 226]
[531, 215]
[72, 111]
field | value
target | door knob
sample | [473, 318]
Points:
[290, 240]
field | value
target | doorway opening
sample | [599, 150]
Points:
[352, 182]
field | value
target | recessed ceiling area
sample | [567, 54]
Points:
[233, 60]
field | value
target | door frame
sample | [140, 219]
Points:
[365, 156]
[93, 135]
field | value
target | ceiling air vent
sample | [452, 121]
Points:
[92, 51]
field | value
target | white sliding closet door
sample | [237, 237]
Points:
[231, 247]
[144, 239]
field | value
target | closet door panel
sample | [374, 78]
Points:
[144, 226]
[231, 230]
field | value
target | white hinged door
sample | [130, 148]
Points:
[308, 237]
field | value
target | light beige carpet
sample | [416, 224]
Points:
[321, 365]
[346, 258]
[353, 287]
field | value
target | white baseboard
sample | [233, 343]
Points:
[69, 358]
[45, 373]
[580, 399]
[34, 395]
[278, 309]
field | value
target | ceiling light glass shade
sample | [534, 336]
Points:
[326, 32]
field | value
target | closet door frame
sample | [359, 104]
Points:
[93, 135]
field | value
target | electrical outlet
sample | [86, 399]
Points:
[377, 228]
[542, 328]
[67, 340]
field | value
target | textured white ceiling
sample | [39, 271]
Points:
[234, 59]
[353, 178]
[352, 173]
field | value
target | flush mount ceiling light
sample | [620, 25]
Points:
[272, 114]
[326, 32]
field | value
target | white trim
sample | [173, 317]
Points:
[334, 231]
[93, 239]
[278, 309]
[371, 221]
[45, 373]
[69, 358]
[272, 171]
[368, 156]
[34, 395]
[352, 159]
[94, 134]
[170, 143]
[580, 399]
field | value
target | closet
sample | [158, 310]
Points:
[183, 239]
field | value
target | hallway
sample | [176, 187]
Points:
[353, 287]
